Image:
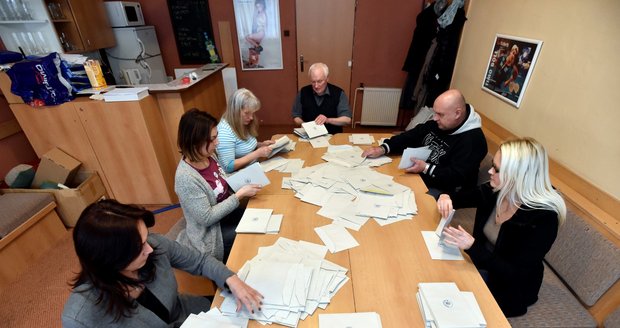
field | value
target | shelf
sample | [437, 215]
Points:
[32, 21]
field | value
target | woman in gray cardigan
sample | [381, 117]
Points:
[211, 210]
[126, 277]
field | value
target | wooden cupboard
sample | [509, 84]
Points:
[125, 142]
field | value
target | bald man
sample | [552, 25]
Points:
[322, 102]
[456, 141]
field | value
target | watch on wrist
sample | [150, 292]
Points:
[425, 171]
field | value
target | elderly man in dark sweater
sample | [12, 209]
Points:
[456, 141]
[322, 102]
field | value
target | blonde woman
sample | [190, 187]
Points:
[517, 219]
[237, 132]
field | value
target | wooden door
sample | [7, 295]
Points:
[325, 34]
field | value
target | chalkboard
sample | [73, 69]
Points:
[191, 22]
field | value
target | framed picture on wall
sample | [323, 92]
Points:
[510, 67]
[258, 34]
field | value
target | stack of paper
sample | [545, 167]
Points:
[294, 279]
[352, 156]
[252, 174]
[443, 305]
[257, 220]
[301, 133]
[350, 320]
[434, 241]
[213, 319]
[351, 195]
[361, 139]
[282, 144]
[126, 94]
[314, 130]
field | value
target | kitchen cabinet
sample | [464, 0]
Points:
[65, 26]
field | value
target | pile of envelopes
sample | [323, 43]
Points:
[259, 220]
[294, 278]
[443, 305]
[350, 196]
[213, 319]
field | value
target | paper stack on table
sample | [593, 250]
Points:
[352, 156]
[300, 132]
[314, 130]
[344, 193]
[361, 139]
[443, 305]
[283, 144]
[213, 319]
[258, 220]
[294, 278]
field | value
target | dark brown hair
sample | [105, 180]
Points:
[107, 239]
[194, 132]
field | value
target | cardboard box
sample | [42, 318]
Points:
[87, 188]
[56, 166]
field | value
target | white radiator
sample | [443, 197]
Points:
[380, 106]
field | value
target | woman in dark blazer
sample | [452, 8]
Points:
[517, 219]
[126, 277]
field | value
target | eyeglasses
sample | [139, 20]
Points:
[495, 168]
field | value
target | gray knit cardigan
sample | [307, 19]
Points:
[201, 210]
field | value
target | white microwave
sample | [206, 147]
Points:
[124, 13]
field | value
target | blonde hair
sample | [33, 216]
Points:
[242, 99]
[524, 177]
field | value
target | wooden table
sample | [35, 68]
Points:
[390, 261]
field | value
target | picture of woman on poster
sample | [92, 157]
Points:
[258, 34]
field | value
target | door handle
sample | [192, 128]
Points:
[301, 62]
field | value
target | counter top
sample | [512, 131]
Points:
[176, 85]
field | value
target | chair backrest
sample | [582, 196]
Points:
[588, 262]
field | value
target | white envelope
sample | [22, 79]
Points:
[313, 130]
[252, 174]
[420, 153]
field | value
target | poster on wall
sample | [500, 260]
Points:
[510, 67]
[258, 34]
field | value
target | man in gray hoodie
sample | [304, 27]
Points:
[456, 141]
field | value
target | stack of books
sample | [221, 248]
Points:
[126, 94]
[443, 305]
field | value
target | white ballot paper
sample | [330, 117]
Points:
[313, 130]
[319, 142]
[440, 251]
[252, 174]
[420, 153]
[279, 145]
[444, 223]
[350, 320]
[213, 319]
[254, 220]
[336, 237]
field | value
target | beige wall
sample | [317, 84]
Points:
[571, 102]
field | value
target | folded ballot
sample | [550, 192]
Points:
[443, 305]
[280, 145]
[252, 174]
[259, 220]
[314, 130]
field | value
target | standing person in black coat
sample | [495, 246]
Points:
[456, 140]
[517, 219]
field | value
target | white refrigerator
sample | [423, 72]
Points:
[136, 59]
